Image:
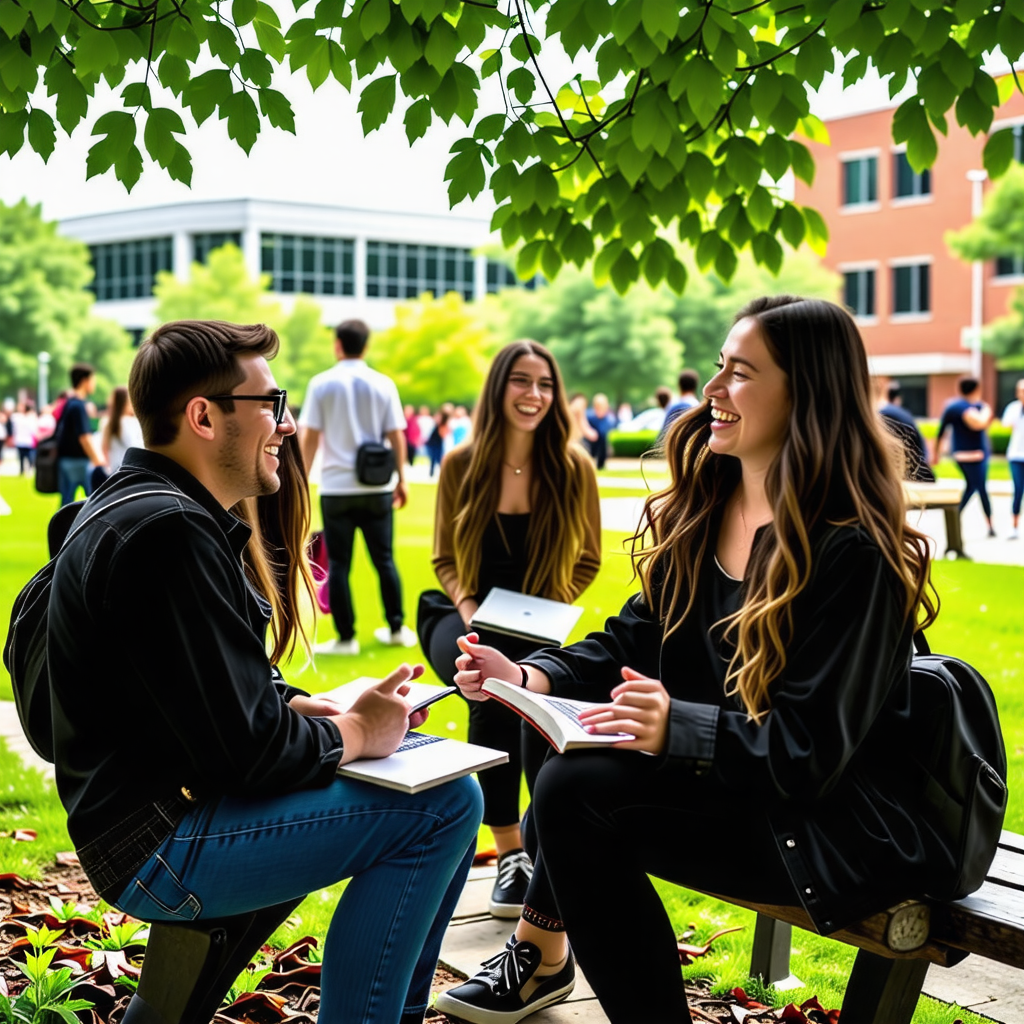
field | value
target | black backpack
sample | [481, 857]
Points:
[959, 745]
[25, 650]
[47, 479]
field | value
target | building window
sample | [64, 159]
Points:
[859, 291]
[204, 244]
[908, 182]
[500, 276]
[911, 286]
[127, 270]
[316, 266]
[860, 181]
[1018, 143]
[395, 270]
[1010, 266]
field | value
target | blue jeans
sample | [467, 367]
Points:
[976, 474]
[1017, 475]
[407, 856]
[72, 474]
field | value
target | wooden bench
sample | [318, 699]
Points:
[896, 947]
[944, 495]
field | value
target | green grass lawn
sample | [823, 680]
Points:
[982, 612]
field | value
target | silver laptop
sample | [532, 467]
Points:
[534, 618]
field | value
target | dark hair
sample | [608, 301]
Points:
[893, 392]
[664, 396]
[352, 336]
[80, 372]
[118, 404]
[836, 465]
[186, 358]
[688, 382]
[968, 385]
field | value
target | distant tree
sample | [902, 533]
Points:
[999, 231]
[223, 289]
[437, 351]
[45, 306]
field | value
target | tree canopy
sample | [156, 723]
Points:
[45, 307]
[682, 114]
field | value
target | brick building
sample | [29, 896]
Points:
[914, 302]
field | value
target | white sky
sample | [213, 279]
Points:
[326, 161]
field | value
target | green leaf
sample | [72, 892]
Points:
[374, 17]
[802, 161]
[792, 225]
[767, 251]
[418, 117]
[959, 68]
[528, 260]
[545, 186]
[550, 260]
[318, 65]
[725, 263]
[72, 100]
[707, 249]
[660, 17]
[842, 15]
[765, 93]
[443, 45]
[972, 113]
[998, 153]
[376, 102]
[42, 133]
[775, 155]
[704, 90]
[624, 271]
[676, 277]
[95, 51]
[277, 110]
[760, 208]
[445, 97]
[206, 92]
[43, 12]
[173, 73]
[578, 245]
[255, 67]
[521, 46]
[654, 261]
[742, 161]
[243, 11]
[12, 18]
[465, 172]
[161, 125]
[243, 119]
[491, 127]
[136, 94]
[814, 60]
[817, 230]
[522, 83]
[270, 39]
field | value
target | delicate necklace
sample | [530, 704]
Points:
[518, 470]
[743, 519]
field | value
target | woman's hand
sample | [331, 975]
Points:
[477, 663]
[640, 707]
[313, 707]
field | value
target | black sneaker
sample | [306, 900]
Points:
[505, 991]
[515, 869]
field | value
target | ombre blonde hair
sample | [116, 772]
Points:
[837, 466]
[557, 517]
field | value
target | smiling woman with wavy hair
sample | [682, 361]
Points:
[517, 508]
[765, 664]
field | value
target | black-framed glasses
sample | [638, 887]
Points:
[278, 397]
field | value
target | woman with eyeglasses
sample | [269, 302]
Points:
[517, 508]
[764, 664]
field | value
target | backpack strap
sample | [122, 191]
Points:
[921, 645]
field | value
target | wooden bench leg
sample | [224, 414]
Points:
[954, 536]
[882, 991]
[769, 959]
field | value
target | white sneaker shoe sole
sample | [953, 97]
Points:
[508, 910]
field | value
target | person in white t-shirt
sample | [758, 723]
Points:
[347, 407]
[1013, 417]
[121, 430]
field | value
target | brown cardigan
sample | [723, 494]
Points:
[453, 471]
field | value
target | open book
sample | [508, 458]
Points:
[421, 761]
[556, 718]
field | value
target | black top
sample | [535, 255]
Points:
[158, 669]
[503, 553]
[829, 763]
[74, 422]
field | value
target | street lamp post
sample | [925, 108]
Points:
[44, 376]
[977, 180]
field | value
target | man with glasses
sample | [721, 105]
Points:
[198, 784]
[349, 407]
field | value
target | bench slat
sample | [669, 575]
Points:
[1012, 841]
[989, 922]
[1007, 869]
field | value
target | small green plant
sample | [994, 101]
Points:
[48, 992]
[67, 912]
[120, 936]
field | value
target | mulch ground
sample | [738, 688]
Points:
[291, 989]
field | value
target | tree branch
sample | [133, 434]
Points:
[783, 53]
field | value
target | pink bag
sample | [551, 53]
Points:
[318, 563]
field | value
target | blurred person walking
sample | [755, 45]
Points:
[76, 452]
[1013, 417]
[121, 430]
[899, 422]
[602, 421]
[967, 418]
[24, 430]
[354, 409]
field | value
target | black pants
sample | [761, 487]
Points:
[343, 515]
[976, 475]
[604, 821]
[490, 724]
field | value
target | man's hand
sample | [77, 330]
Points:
[314, 707]
[377, 722]
[477, 663]
[640, 707]
[401, 495]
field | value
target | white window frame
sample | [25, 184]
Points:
[914, 316]
[918, 200]
[868, 205]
